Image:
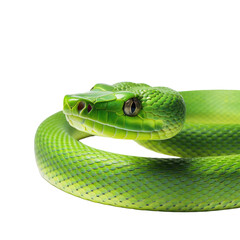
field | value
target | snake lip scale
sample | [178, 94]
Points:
[200, 127]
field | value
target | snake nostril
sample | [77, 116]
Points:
[81, 106]
[89, 108]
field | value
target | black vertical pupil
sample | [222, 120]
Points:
[133, 107]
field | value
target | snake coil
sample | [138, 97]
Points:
[200, 127]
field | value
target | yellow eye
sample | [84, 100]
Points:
[132, 107]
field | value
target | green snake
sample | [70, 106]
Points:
[201, 128]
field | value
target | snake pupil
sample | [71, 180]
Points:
[133, 107]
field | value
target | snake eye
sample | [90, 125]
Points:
[132, 107]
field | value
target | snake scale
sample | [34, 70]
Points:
[201, 128]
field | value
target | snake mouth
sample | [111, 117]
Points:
[98, 128]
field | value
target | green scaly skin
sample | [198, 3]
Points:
[204, 134]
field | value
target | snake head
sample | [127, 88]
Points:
[127, 111]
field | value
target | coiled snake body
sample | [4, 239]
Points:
[200, 127]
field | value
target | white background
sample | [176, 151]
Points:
[52, 48]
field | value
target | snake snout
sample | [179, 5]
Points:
[75, 105]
